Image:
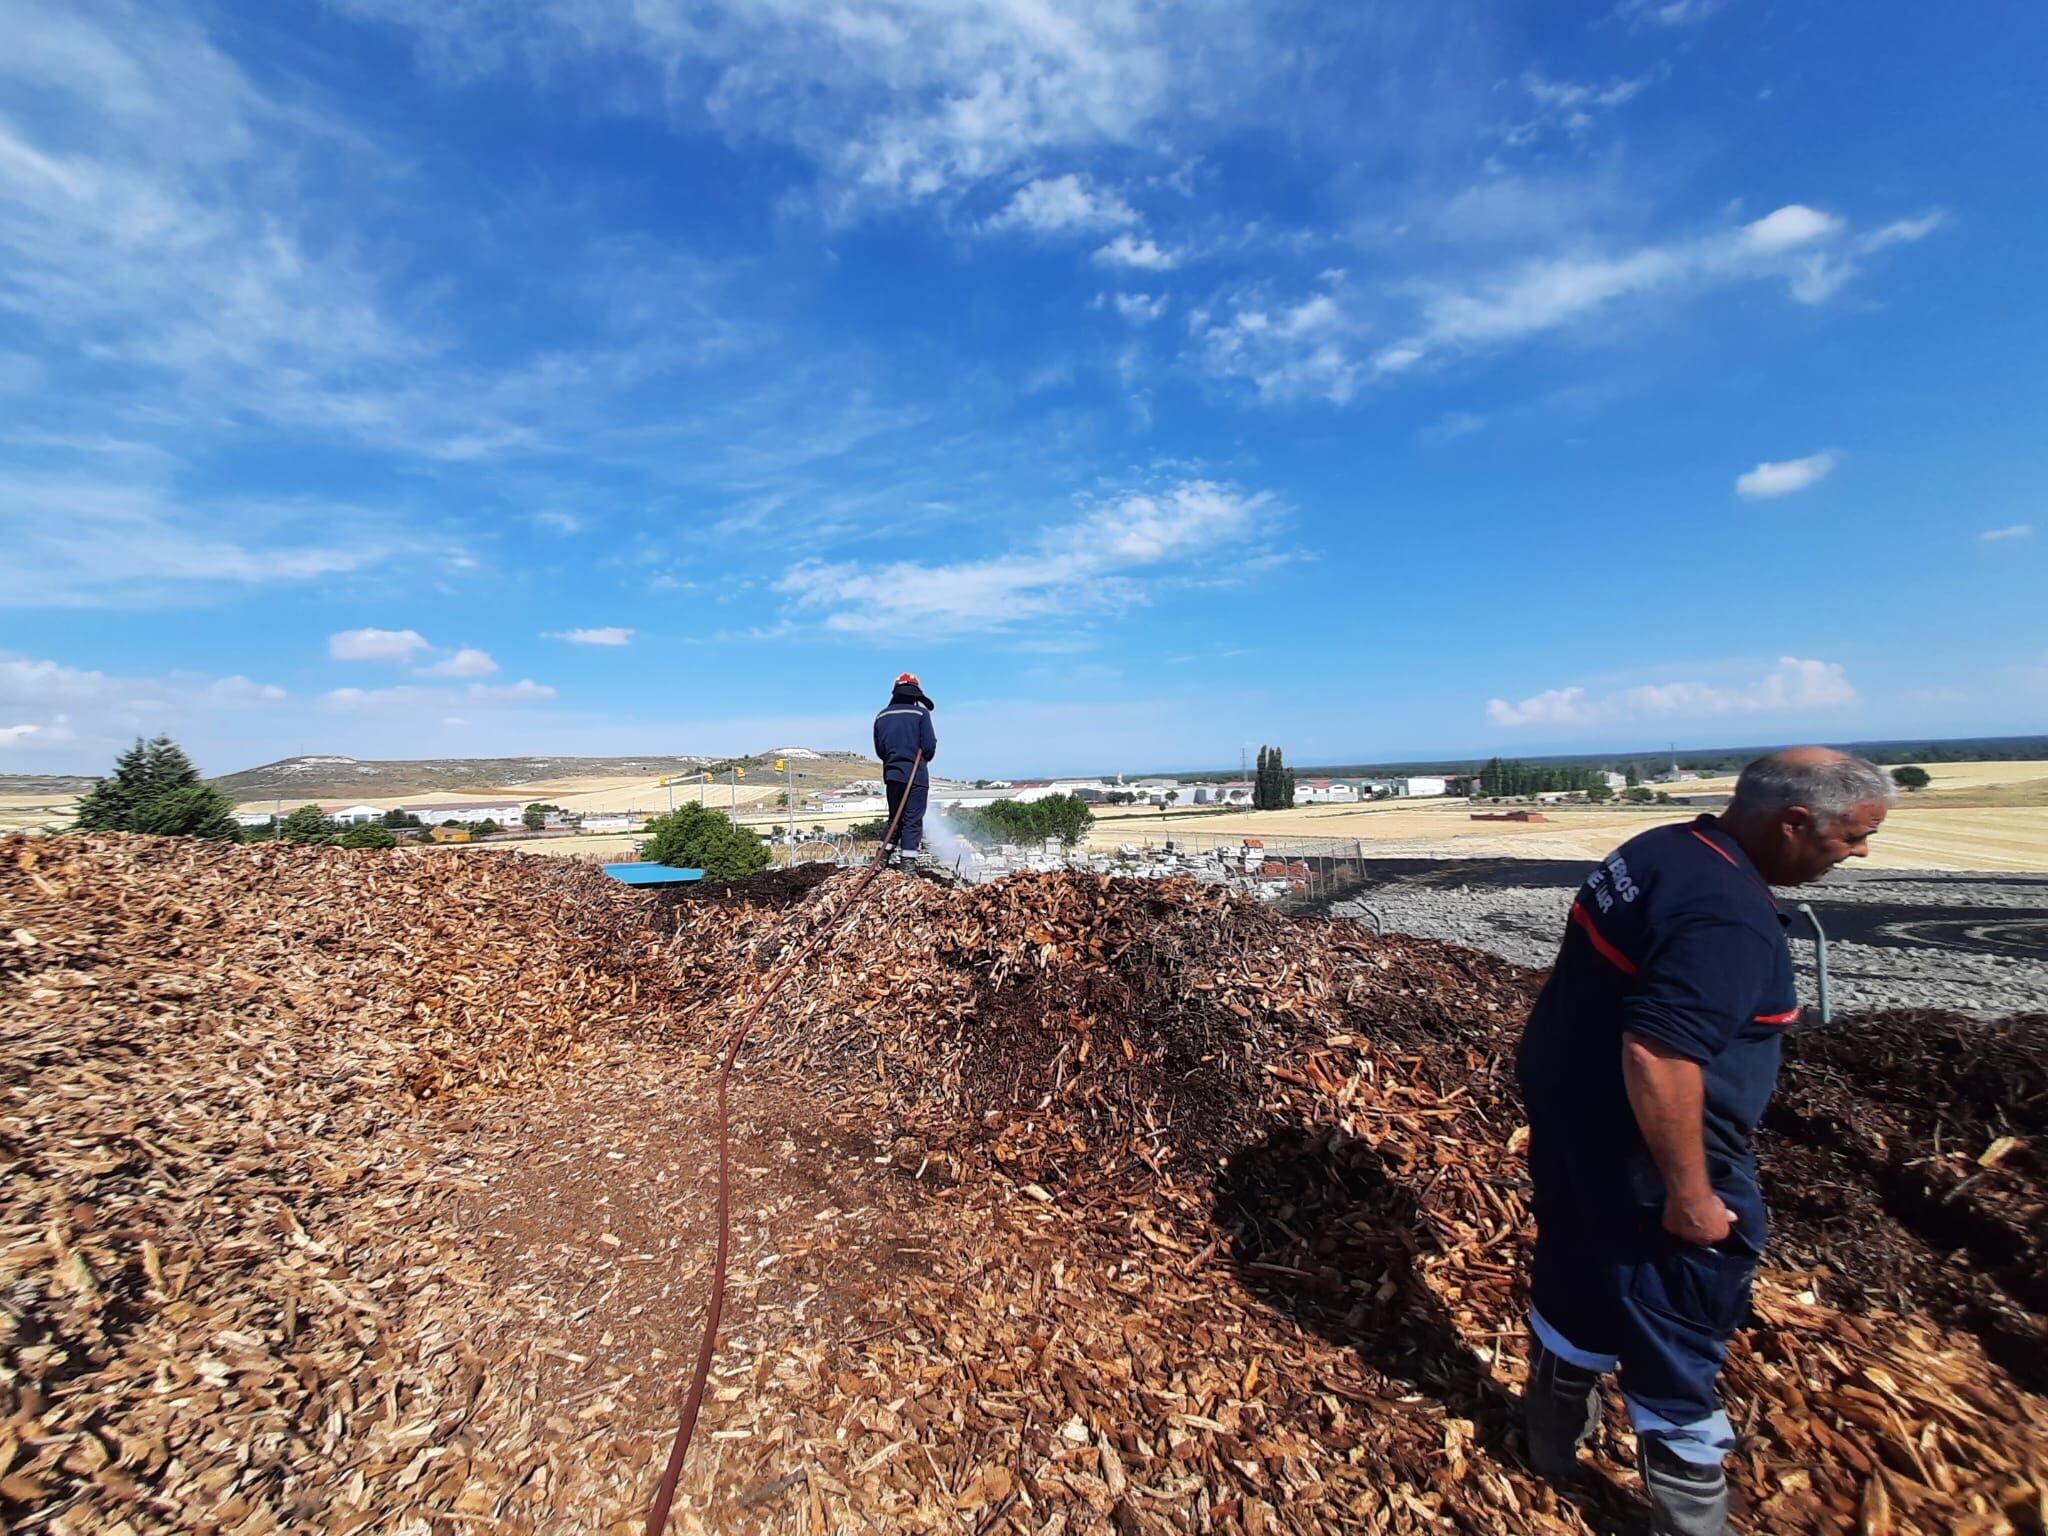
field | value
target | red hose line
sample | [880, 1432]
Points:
[657, 1514]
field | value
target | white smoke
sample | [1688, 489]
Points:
[948, 847]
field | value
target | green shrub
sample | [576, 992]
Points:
[697, 837]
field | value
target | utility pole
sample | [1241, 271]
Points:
[789, 788]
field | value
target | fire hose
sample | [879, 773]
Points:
[693, 1402]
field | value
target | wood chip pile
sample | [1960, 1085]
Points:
[201, 1052]
[1322, 1327]
[1216, 1219]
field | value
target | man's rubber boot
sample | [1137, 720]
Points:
[1686, 1498]
[1560, 1406]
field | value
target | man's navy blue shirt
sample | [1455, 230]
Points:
[902, 731]
[1676, 938]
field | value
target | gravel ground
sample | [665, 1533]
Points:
[1930, 888]
[1525, 925]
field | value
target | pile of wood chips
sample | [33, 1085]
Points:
[204, 1054]
[1280, 1167]
[1220, 1216]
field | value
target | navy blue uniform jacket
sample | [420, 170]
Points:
[901, 732]
[1676, 938]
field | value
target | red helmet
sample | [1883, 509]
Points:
[908, 677]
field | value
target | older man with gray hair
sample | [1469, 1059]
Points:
[1645, 1065]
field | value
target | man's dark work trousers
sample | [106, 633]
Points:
[911, 798]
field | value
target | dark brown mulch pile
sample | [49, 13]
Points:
[1183, 1077]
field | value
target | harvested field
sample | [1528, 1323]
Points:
[366, 1191]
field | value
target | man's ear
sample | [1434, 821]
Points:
[1797, 819]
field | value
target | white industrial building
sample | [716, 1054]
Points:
[1324, 791]
[435, 812]
[1420, 786]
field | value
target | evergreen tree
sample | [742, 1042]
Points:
[155, 788]
[369, 835]
[190, 810]
[308, 824]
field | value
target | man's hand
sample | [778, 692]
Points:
[1701, 1218]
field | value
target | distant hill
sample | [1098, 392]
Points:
[45, 783]
[343, 778]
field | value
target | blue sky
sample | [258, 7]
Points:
[471, 377]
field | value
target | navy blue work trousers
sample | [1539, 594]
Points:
[1612, 1288]
[910, 798]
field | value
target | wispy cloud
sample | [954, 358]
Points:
[1102, 561]
[893, 101]
[1794, 684]
[1568, 105]
[412, 695]
[1667, 13]
[81, 541]
[1289, 351]
[2014, 531]
[1811, 252]
[1783, 477]
[82, 712]
[606, 634]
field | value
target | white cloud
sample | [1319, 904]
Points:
[52, 706]
[1668, 13]
[1813, 253]
[466, 662]
[237, 692]
[417, 696]
[1297, 351]
[16, 735]
[1568, 105]
[1141, 308]
[892, 100]
[1793, 225]
[1141, 254]
[1794, 684]
[1783, 477]
[90, 541]
[375, 644]
[559, 522]
[525, 691]
[2016, 531]
[1099, 561]
[1056, 204]
[606, 634]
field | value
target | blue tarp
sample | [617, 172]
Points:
[651, 874]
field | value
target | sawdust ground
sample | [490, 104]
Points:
[580, 1219]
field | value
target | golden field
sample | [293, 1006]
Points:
[1942, 827]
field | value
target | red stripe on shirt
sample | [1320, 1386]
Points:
[1723, 852]
[1778, 1018]
[1606, 950]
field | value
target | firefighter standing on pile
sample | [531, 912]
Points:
[903, 737]
[1646, 1062]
